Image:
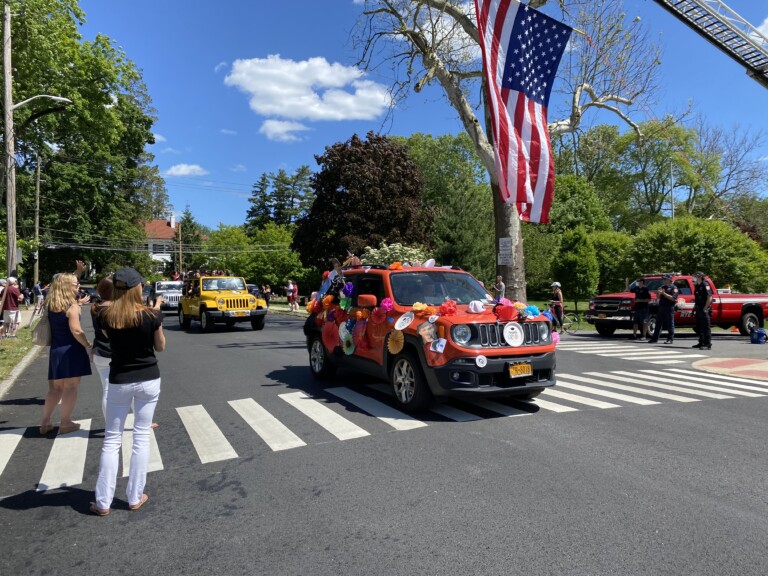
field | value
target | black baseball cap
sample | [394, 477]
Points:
[127, 278]
[699, 274]
[667, 277]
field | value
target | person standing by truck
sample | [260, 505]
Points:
[702, 307]
[665, 316]
[642, 302]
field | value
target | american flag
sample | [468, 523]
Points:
[521, 51]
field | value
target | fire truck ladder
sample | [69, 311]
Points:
[728, 31]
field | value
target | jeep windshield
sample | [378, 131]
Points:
[167, 286]
[223, 284]
[435, 287]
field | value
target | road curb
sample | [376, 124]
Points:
[8, 383]
[754, 368]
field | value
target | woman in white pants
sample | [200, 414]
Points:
[135, 333]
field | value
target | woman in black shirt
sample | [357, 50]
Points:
[135, 333]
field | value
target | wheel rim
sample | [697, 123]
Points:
[317, 356]
[204, 320]
[404, 381]
[752, 323]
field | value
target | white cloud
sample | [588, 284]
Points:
[282, 130]
[312, 89]
[219, 67]
[238, 168]
[169, 150]
[763, 28]
[186, 170]
[159, 138]
[228, 132]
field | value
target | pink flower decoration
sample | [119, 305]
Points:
[555, 337]
[447, 308]
[505, 301]
[387, 304]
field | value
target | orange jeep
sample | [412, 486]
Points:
[431, 332]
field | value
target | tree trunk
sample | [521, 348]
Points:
[507, 223]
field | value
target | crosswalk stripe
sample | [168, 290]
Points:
[209, 441]
[599, 392]
[580, 399]
[551, 406]
[454, 414]
[736, 379]
[593, 349]
[9, 439]
[634, 379]
[682, 378]
[645, 352]
[665, 362]
[502, 409]
[155, 461]
[337, 425]
[633, 389]
[387, 414]
[66, 460]
[269, 428]
[731, 392]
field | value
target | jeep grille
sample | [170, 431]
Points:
[236, 303]
[173, 298]
[492, 335]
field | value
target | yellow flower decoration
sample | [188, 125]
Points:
[419, 306]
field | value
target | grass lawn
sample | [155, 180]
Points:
[12, 350]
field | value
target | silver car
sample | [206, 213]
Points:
[170, 290]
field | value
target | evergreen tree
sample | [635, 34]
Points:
[260, 212]
[282, 196]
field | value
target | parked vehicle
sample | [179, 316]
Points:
[399, 332]
[170, 290]
[220, 299]
[611, 312]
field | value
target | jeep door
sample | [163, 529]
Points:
[370, 284]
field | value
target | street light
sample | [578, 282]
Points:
[10, 160]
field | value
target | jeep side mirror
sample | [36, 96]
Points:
[367, 300]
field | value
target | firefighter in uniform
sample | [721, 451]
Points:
[702, 298]
[665, 315]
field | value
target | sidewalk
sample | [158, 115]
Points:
[744, 367]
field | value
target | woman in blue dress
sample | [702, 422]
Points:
[69, 358]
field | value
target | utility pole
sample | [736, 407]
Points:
[10, 154]
[36, 273]
[181, 268]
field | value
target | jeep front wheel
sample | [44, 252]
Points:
[184, 320]
[319, 363]
[408, 382]
[206, 321]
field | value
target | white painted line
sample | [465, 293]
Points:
[155, 461]
[398, 420]
[706, 377]
[499, 408]
[337, 425]
[207, 438]
[658, 355]
[580, 399]
[66, 460]
[645, 352]
[633, 378]
[763, 385]
[598, 392]
[454, 414]
[9, 439]
[269, 428]
[665, 362]
[729, 393]
[591, 349]
[633, 389]
[551, 406]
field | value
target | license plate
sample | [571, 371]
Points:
[238, 313]
[520, 370]
[601, 315]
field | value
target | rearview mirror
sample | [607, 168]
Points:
[367, 301]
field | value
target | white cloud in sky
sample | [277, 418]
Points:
[220, 66]
[238, 168]
[312, 89]
[763, 28]
[159, 138]
[228, 132]
[186, 170]
[282, 130]
[169, 150]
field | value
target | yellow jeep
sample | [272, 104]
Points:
[220, 299]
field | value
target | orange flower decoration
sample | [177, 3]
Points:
[448, 308]
[327, 301]
[396, 266]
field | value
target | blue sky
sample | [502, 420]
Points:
[243, 87]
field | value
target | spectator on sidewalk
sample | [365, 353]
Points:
[11, 297]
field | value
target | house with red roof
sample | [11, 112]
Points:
[162, 241]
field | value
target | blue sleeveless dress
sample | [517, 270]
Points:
[68, 358]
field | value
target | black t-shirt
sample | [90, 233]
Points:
[133, 351]
[642, 294]
[664, 302]
[701, 293]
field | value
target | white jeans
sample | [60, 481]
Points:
[102, 367]
[144, 395]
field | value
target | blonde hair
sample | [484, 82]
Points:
[60, 296]
[126, 309]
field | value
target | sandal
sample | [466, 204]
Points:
[139, 504]
[98, 511]
[74, 427]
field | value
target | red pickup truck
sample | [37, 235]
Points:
[610, 312]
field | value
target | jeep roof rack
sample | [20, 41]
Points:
[372, 266]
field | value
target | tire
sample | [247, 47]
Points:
[604, 329]
[319, 363]
[408, 382]
[258, 323]
[651, 324]
[184, 320]
[749, 321]
[206, 321]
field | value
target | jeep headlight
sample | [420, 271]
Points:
[221, 302]
[252, 301]
[461, 334]
[543, 331]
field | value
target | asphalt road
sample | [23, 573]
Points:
[663, 472]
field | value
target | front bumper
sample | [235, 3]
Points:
[617, 319]
[463, 377]
[237, 315]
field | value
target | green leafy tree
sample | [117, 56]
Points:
[541, 250]
[275, 262]
[577, 267]
[689, 244]
[192, 236]
[229, 248]
[366, 192]
[260, 211]
[576, 204]
[614, 257]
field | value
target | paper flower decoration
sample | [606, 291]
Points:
[378, 315]
[387, 304]
[331, 317]
[447, 308]
[418, 307]
[548, 315]
[376, 332]
[348, 344]
[348, 289]
[505, 313]
[505, 301]
[519, 305]
[330, 335]
[345, 303]
[555, 337]
[395, 342]
[396, 266]
[532, 310]
[327, 301]
[429, 311]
